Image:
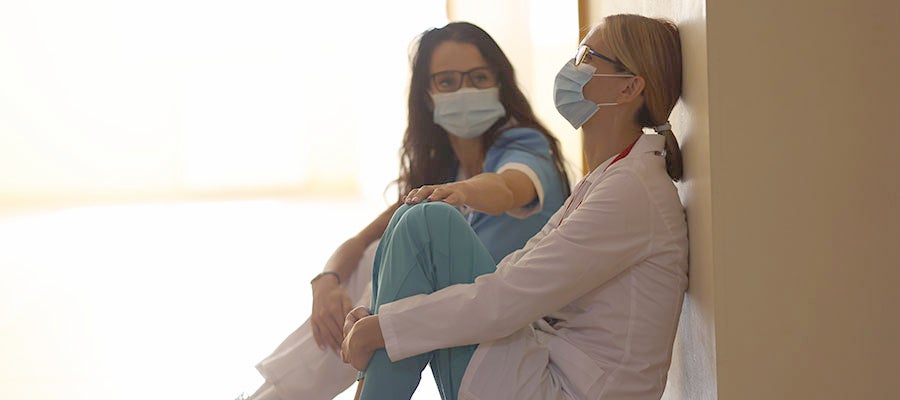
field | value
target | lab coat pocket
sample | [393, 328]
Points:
[579, 372]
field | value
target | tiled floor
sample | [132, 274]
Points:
[153, 301]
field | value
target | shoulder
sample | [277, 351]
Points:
[621, 182]
[522, 138]
[644, 185]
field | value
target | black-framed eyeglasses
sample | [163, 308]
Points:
[451, 81]
[584, 50]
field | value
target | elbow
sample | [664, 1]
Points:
[502, 327]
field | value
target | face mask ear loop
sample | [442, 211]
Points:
[615, 76]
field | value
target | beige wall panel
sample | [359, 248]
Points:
[805, 204]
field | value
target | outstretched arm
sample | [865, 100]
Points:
[490, 193]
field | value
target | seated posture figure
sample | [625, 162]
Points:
[472, 142]
[588, 309]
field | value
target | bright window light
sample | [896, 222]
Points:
[106, 97]
[140, 99]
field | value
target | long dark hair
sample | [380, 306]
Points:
[426, 157]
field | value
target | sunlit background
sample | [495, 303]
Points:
[172, 173]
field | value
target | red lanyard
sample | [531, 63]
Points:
[621, 155]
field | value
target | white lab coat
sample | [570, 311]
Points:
[610, 266]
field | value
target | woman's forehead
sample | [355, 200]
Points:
[456, 56]
[594, 41]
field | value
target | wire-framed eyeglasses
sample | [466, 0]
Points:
[451, 81]
[584, 50]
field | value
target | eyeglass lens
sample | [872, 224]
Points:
[579, 56]
[451, 81]
[584, 50]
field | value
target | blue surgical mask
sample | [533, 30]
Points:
[568, 93]
[468, 112]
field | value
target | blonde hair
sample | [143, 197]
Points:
[651, 49]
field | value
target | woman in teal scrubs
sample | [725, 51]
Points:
[471, 135]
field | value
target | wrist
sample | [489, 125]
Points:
[374, 338]
[465, 186]
[326, 276]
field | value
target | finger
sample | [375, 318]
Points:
[352, 315]
[454, 199]
[349, 320]
[334, 342]
[346, 305]
[335, 334]
[345, 351]
[438, 194]
[410, 195]
[316, 335]
[423, 193]
[360, 312]
[413, 195]
[324, 324]
[348, 325]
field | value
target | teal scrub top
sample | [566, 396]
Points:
[503, 234]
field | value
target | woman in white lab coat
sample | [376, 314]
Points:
[588, 309]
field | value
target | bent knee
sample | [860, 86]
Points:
[427, 214]
[399, 213]
[402, 210]
[430, 210]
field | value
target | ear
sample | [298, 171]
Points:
[632, 90]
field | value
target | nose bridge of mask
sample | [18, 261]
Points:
[468, 112]
[573, 79]
[580, 75]
[458, 101]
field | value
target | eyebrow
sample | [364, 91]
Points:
[454, 70]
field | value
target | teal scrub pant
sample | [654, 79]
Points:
[426, 247]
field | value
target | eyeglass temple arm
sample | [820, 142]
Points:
[596, 54]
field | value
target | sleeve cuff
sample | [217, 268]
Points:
[531, 208]
[389, 333]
